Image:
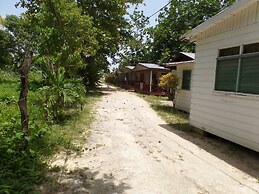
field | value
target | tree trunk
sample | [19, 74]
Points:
[23, 99]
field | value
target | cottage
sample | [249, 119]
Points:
[144, 78]
[225, 78]
[147, 78]
[182, 66]
[128, 77]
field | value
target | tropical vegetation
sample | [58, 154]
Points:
[54, 54]
[163, 41]
[52, 57]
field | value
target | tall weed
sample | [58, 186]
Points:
[60, 94]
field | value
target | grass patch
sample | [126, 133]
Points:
[76, 127]
[19, 172]
[172, 116]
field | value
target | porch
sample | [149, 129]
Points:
[152, 89]
[144, 78]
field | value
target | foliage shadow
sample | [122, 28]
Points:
[236, 155]
[84, 181]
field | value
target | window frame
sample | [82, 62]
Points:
[188, 88]
[240, 57]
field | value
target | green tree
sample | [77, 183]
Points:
[134, 49]
[112, 30]
[15, 29]
[65, 36]
[59, 36]
[99, 23]
[5, 47]
[181, 16]
[109, 18]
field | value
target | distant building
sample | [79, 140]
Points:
[144, 78]
[182, 66]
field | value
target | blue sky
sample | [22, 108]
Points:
[151, 6]
[7, 8]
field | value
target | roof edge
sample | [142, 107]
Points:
[229, 11]
[156, 68]
[190, 55]
[179, 63]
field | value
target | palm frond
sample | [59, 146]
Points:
[2, 21]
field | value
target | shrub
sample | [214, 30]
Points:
[19, 171]
[61, 93]
[169, 81]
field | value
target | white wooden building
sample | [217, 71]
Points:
[225, 78]
[182, 65]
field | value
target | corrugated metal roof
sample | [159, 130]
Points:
[228, 12]
[191, 55]
[152, 66]
[130, 67]
[178, 63]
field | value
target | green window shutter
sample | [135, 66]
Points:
[249, 75]
[186, 82]
[226, 75]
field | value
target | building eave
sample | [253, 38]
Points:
[221, 16]
[179, 63]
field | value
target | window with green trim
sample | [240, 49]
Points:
[186, 81]
[238, 69]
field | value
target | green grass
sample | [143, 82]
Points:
[172, 116]
[20, 173]
[76, 127]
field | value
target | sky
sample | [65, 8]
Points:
[151, 6]
[7, 7]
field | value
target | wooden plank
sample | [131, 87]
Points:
[252, 14]
[257, 13]
[221, 133]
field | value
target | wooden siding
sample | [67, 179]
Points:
[139, 68]
[246, 17]
[183, 97]
[228, 115]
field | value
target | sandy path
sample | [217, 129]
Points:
[130, 151]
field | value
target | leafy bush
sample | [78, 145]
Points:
[19, 171]
[169, 81]
[61, 93]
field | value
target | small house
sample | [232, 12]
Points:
[147, 78]
[182, 66]
[225, 77]
[143, 78]
[128, 77]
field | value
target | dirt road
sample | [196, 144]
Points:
[131, 151]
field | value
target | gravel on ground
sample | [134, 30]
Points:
[132, 150]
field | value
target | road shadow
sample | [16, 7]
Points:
[236, 155]
[82, 181]
[96, 93]
[107, 88]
